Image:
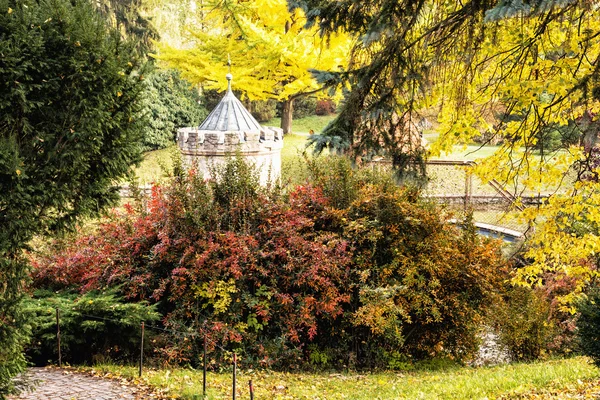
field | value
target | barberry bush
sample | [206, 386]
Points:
[347, 269]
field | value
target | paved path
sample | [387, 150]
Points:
[63, 384]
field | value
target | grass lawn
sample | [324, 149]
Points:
[293, 165]
[155, 163]
[304, 125]
[469, 153]
[293, 146]
[506, 381]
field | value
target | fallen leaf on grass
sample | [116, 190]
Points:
[584, 391]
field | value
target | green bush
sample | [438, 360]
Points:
[96, 326]
[263, 110]
[170, 103]
[524, 323]
[554, 137]
[70, 127]
[304, 107]
[14, 330]
[210, 98]
[588, 325]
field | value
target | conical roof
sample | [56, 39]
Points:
[230, 115]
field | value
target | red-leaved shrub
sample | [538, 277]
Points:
[349, 265]
[325, 107]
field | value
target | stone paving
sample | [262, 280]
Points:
[62, 384]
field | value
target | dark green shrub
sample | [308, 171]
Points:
[304, 106]
[95, 326]
[588, 325]
[70, 128]
[170, 103]
[210, 98]
[549, 140]
[14, 330]
[524, 323]
[263, 110]
[554, 137]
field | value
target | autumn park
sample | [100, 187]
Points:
[299, 199]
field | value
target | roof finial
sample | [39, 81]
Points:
[229, 76]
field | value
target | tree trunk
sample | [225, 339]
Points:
[286, 116]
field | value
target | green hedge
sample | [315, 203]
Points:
[170, 103]
[96, 326]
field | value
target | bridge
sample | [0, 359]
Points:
[498, 232]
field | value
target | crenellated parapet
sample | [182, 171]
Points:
[198, 141]
[229, 130]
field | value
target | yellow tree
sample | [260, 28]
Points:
[540, 73]
[271, 50]
[533, 63]
[170, 19]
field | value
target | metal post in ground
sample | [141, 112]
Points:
[58, 337]
[466, 197]
[234, 375]
[204, 370]
[468, 189]
[142, 350]
[251, 389]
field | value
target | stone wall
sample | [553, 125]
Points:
[209, 148]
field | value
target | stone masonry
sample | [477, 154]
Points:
[230, 130]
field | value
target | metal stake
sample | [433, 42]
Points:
[234, 374]
[58, 337]
[142, 350]
[251, 389]
[204, 370]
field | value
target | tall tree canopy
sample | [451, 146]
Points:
[129, 19]
[533, 65]
[69, 130]
[270, 47]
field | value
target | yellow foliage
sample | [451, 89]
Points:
[537, 69]
[218, 294]
[540, 71]
[270, 48]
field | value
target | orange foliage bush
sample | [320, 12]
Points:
[347, 264]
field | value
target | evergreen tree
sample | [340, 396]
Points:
[69, 130]
[453, 57]
[127, 17]
[171, 103]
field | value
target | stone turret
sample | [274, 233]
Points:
[229, 129]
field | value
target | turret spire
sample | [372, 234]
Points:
[229, 76]
[230, 115]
